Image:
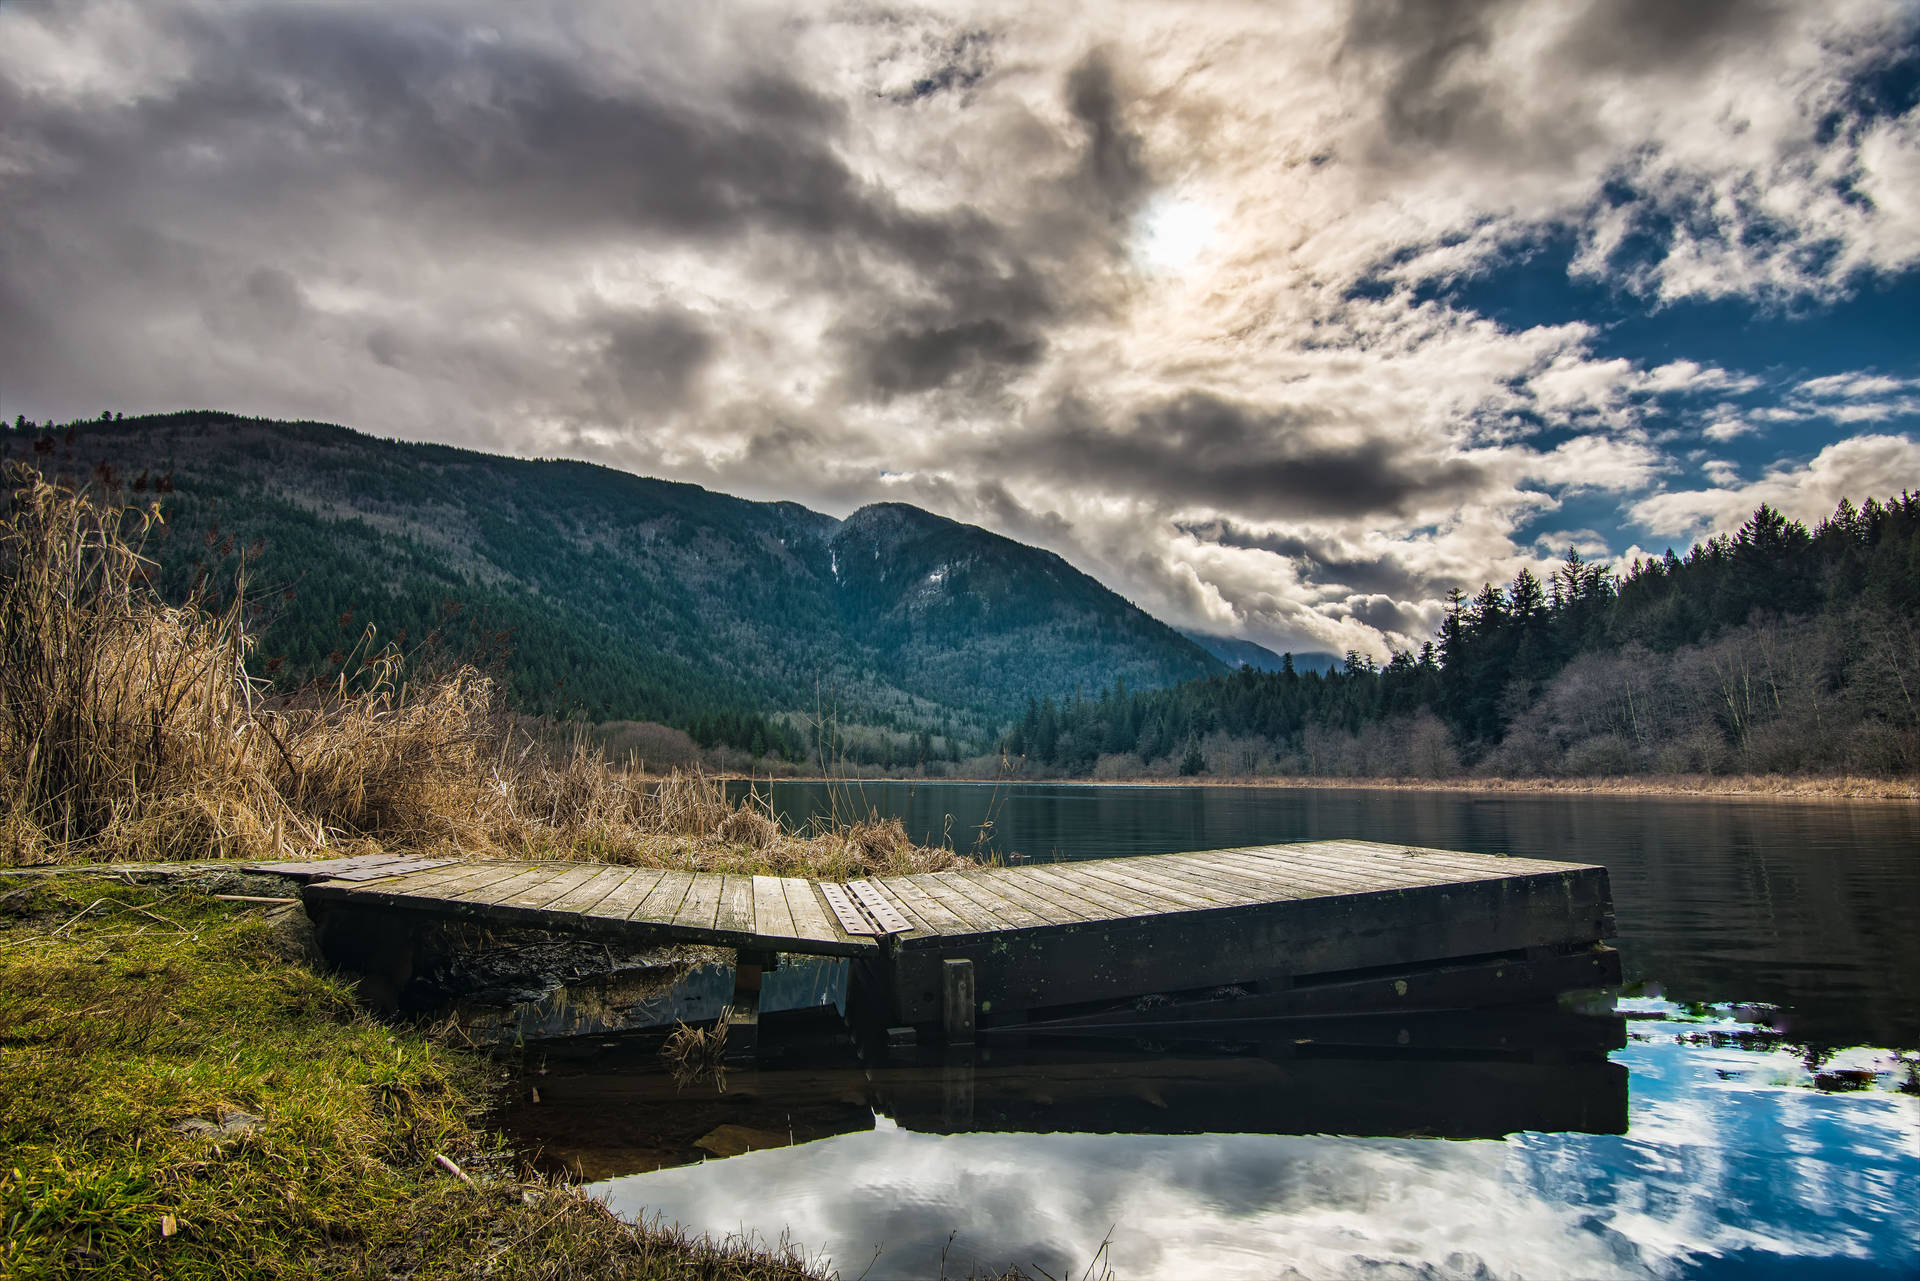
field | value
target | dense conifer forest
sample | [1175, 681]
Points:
[1774, 649]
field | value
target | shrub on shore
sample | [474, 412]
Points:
[131, 729]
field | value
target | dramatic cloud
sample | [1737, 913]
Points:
[1227, 304]
[1856, 468]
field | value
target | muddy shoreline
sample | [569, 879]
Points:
[1710, 787]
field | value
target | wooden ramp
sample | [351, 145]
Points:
[1317, 927]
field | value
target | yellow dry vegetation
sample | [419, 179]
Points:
[131, 729]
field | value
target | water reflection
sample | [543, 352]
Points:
[607, 1108]
[1731, 1163]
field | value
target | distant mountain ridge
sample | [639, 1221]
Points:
[1235, 652]
[619, 596]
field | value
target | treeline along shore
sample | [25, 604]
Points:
[1772, 651]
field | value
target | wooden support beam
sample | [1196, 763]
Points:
[956, 978]
[743, 1018]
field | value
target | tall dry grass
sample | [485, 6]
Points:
[130, 729]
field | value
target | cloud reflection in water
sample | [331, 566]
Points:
[1725, 1170]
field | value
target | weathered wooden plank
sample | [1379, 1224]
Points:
[1269, 880]
[376, 895]
[1153, 896]
[1107, 902]
[662, 905]
[1245, 884]
[1126, 901]
[1332, 877]
[619, 905]
[1001, 893]
[1302, 876]
[977, 919]
[928, 910]
[890, 895]
[811, 920]
[1498, 864]
[1433, 865]
[358, 867]
[428, 879]
[735, 909]
[1149, 882]
[702, 902]
[586, 896]
[1023, 886]
[473, 876]
[771, 915]
[536, 897]
[525, 877]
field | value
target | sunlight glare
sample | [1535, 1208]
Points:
[1172, 232]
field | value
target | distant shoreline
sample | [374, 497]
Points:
[1730, 787]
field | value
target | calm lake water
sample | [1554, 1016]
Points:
[1747, 1111]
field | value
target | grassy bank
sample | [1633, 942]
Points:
[182, 1097]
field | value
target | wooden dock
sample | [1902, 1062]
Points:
[1275, 930]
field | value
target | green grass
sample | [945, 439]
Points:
[128, 1009]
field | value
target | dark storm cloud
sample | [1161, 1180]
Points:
[1201, 449]
[996, 293]
[1422, 43]
[656, 358]
[359, 122]
[908, 360]
[495, 131]
[1318, 561]
[1387, 615]
[1114, 168]
[1647, 35]
[1436, 89]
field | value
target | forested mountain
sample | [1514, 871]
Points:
[1773, 649]
[610, 596]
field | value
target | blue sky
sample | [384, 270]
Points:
[1282, 319]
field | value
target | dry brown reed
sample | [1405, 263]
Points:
[131, 729]
[698, 1053]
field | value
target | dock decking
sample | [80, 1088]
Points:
[1319, 926]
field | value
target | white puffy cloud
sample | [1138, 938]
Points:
[1858, 468]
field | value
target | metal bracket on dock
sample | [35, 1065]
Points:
[875, 905]
[862, 909]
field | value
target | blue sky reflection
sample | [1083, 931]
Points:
[1731, 1167]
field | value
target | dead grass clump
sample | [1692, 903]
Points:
[698, 1053]
[131, 729]
[123, 721]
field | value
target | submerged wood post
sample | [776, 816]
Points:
[743, 1018]
[956, 984]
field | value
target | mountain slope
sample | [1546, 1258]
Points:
[910, 582]
[615, 595]
[1235, 652]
